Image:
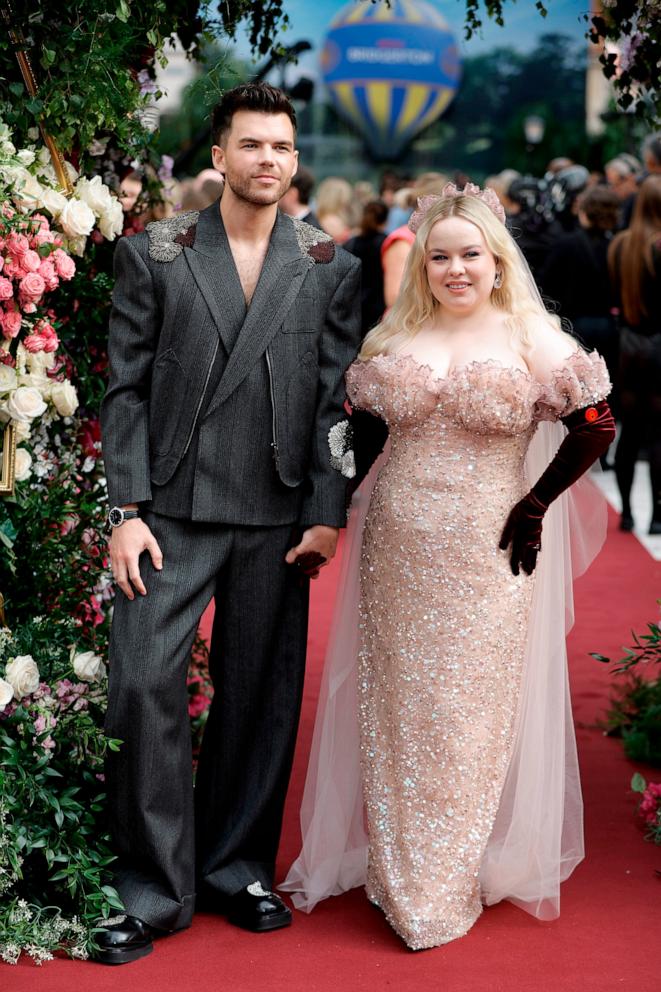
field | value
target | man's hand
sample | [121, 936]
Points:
[315, 549]
[126, 544]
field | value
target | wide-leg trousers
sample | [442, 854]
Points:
[171, 843]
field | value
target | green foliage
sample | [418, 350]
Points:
[635, 716]
[635, 712]
[53, 839]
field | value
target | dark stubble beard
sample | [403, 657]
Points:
[242, 189]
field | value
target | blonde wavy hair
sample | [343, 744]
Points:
[416, 306]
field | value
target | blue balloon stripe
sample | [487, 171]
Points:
[406, 132]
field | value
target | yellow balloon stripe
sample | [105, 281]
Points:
[415, 99]
[412, 12]
[353, 16]
[383, 13]
[378, 100]
[344, 93]
[438, 106]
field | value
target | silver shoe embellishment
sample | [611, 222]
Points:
[255, 889]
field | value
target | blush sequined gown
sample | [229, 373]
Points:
[444, 622]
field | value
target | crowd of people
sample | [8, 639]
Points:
[593, 243]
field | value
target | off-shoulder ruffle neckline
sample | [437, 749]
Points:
[486, 363]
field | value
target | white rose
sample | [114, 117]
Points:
[65, 398]
[23, 464]
[39, 361]
[39, 381]
[89, 667]
[111, 224]
[76, 220]
[94, 194]
[22, 431]
[76, 246]
[6, 693]
[25, 403]
[23, 675]
[53, 201]
[25, 156]
[8, 380]
[29, 192]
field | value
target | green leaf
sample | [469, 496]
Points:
[638, 783]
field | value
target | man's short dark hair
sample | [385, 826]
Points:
[303, 181]
[262, 97]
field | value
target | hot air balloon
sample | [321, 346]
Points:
[390, 69]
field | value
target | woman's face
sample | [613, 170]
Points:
[460, 268]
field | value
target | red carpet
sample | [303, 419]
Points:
[607, 938]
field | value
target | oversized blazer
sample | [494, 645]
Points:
[179, 325]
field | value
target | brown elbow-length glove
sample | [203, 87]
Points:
[591, 430]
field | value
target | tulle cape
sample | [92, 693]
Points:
[537, 837]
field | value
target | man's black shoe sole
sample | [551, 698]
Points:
[274, 921]
[119, 955]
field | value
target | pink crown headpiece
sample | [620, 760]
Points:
[425, 203]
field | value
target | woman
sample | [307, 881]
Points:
[335, 208]
[467, 760]
[635, 265]
[367, 247]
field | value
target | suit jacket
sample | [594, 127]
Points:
[206, 394]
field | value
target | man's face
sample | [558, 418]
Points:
[257, 156]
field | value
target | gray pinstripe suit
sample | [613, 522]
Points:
[216, 421]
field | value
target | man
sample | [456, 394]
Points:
[230, 334]
[296, 201]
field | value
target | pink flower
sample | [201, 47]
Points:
[64, 264]
[31, 261]
[197, 705]
[48, 274]
[7, 211]
[13, 269]
[18, 244]
[52, 344]
[48, 744]
[34, 343]
[46, 238]
[2, 260]
[6, 289]
[29, 307]
[39, 223]
[11, 323]
[40, 724]
[32, 287]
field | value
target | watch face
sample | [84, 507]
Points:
[115, 517]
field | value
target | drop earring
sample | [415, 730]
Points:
[498, 281]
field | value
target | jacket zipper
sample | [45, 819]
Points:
[274, 416]
[199, 405]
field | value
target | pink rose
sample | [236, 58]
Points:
[18, 244]
[6, 289]
[13, 270]
[64, 264]
[11, 323]
[7, 211]
[32, 286]
[52, 344]
[48, 274]
[2, 260]
[29, 308]
[31, 261]
[46, 238]
[39, 222]
[34, 343]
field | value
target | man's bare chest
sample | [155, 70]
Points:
[249, 264]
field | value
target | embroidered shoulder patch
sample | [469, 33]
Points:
[168, 238]
[313, 242]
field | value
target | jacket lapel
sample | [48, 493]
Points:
[212, 266]
[280, 281]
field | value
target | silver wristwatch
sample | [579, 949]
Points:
[117, 516]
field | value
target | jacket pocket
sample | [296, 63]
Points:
[170, 398]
